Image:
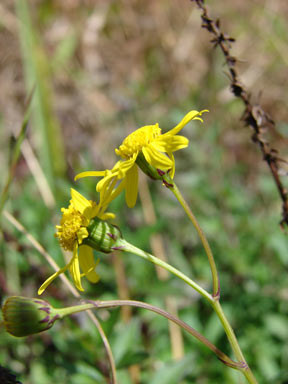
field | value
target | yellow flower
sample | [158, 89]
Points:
[155, 148]
[71, 232]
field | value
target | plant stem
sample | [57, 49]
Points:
[125, 246]
[169, 183]
[214, 301]
[173, 187]
[107, 347]
[132, 303]
[233, 342]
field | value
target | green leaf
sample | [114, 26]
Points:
[88, 374]
[131, 358]
[277, 325]
[173, 372]
[126, 339]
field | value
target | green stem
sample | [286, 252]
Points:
[169, 183]
[233, 342]
[139, 304]
[62, 312]
[107, 347]
[214, 301]
[173, 187]
[125, 246]
[87, 307]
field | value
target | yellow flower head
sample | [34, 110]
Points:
[138, 140]
[157, 150]
[72, 227]
[71, 232]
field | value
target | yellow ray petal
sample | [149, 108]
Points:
[89, 174]
[74, 269]
[131, 186]
[192, 115]
[118, 171]
[95, 210]
[116, 166]
[79, 201]
[87, 263]
[106, 196]
[51, 278]
[170, 143]
[105, 182]
[109, 190]
[126, 165]
[107, 216]
[155, 158]
[172, 172]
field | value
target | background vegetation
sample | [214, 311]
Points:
[102, 69]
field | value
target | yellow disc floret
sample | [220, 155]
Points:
[137, 140]
[70, 225]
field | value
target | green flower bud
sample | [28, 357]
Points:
[103, 236]
[24, 316]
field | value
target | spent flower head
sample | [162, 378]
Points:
[74, 234]
[146, 147]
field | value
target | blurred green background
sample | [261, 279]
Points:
[101, 69]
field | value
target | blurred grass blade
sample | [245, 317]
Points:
[173, 372]
[37, 72]
[15, 153]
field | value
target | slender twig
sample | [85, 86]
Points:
[71, 288]
[123, 245]
[91, 304]
[254, 115]
[189, 213]
[128, 247]
[233, 342]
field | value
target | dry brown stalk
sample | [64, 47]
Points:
[254, 116]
